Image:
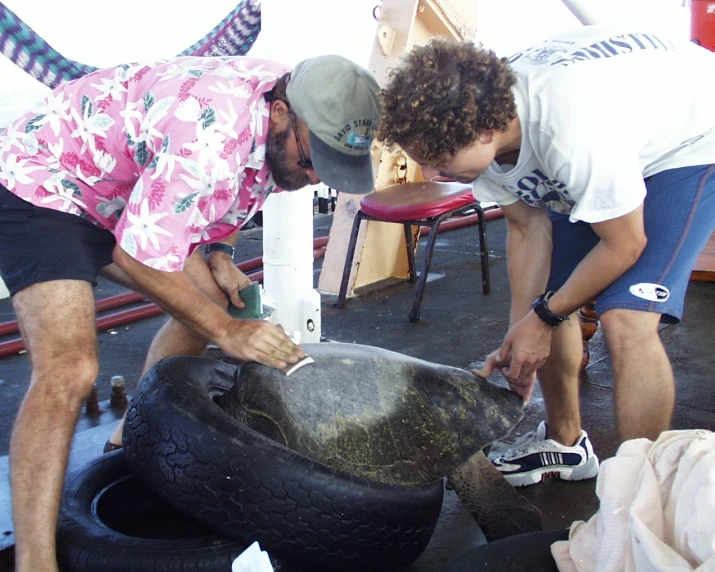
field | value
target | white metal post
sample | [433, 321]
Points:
[288, 264]
[290, 32]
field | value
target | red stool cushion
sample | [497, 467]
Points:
[416, 201]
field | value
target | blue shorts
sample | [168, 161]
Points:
[40, 245]
[679, 216]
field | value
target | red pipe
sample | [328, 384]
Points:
[12, 347]
[111, 302]
[138, 313]
[150, 310]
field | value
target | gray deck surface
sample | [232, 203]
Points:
[459, 327]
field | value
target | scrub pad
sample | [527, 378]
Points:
[251, 295]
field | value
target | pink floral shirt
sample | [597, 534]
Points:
[166, 155]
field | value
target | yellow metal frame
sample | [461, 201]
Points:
[381, 252]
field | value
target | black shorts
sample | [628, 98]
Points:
[40, 245]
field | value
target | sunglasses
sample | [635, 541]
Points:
[304, 162]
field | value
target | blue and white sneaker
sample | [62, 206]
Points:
[534, 457]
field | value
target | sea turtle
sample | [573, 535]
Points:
[391, 418]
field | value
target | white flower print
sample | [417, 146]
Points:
[85, 177]
[165, 160]
[212, 214]
[104, 161]
[188, 110]
[14, 170]
[55, 109]
[209, 144]
[90, 126]
[205, 184]
[56, 148]
[197, 219]
[186, 68]
[203, 236]
[232, 216]
[228, 121]
[31, 143]
[256, 159]
[108, 207]
[145, 226]
[221, 171]
[147, 123]
[12, 137]
[170, 262]
[113, 86]
[247, 72]
[128, 244]
[55, 152]
[137, 193]
[63, 191]
[233, 90]
[55, 181]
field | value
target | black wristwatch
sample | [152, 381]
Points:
[220, 247]
[541, 308]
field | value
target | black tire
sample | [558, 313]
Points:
[110, 522]
[529, 552]
[248, 487]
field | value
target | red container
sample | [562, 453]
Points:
[702, 23]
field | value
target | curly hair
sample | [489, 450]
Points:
[443, 95]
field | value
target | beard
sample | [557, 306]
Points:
[286, 178]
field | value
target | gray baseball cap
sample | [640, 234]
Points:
[337, 100]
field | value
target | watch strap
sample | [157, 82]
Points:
[541, 309]
[220, 247]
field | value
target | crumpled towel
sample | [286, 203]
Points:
[657, 509]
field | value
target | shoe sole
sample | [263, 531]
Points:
[563, 472]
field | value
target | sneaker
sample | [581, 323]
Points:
[534, 458]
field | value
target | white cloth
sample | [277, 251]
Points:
[657, 510]
[601, 108]
[253, 559]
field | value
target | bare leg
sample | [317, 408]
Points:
[645, 389]
[559, 379]
[58, 324]
[174, 338]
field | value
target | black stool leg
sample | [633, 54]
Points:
[483, 251]
[434, 225]
[349, 260]
[410, 242]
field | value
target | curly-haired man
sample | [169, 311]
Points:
[599, 146]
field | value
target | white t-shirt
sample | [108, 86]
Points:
[600, 109]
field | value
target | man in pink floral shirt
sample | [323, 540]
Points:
[124, 173]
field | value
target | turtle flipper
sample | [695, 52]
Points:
[497, 507]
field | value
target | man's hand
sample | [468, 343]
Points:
[527, 345]
[228, 277]
[260, 341]
[525, 349]
[524, 387]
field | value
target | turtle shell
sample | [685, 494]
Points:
[375, 413]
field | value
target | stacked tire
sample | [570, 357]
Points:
[226, 478]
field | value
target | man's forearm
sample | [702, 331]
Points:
[598, 270]
[528, 264]
[177, 295]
